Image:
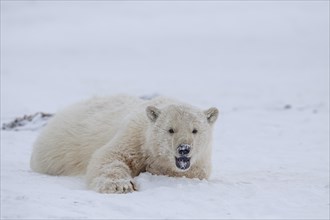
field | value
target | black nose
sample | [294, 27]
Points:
[184, 149]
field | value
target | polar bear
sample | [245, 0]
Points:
[113, 139]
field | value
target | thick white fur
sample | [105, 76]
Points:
[113, 139]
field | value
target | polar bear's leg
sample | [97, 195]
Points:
[109, 172]
[114, 177]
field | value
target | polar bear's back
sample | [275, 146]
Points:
[69, 139]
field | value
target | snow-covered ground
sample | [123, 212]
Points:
[265, 65]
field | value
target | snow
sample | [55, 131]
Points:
[28, 122]
[265, 65]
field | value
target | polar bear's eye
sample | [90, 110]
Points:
[171, 130]
[194, 131]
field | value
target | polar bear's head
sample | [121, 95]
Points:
[180, 135]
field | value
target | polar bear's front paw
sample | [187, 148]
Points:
[106, 185]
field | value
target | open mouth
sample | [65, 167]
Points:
[182, 162]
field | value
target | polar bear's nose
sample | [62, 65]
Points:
[184, 149]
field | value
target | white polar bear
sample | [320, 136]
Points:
[114, 139]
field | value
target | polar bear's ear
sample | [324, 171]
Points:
[152, 113]
[211, 114]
